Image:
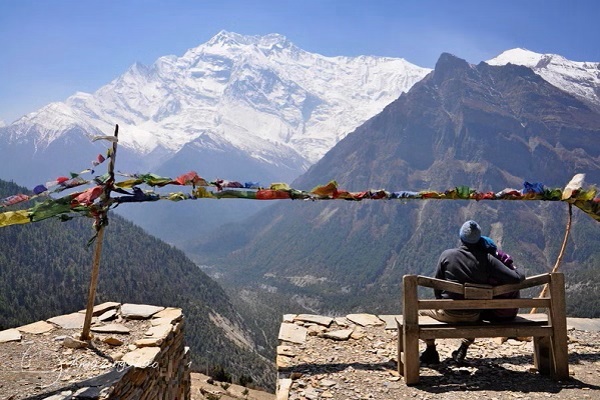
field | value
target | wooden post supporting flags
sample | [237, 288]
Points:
[102, 221]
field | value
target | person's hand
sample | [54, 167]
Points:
[506, 259]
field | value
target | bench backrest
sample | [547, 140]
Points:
[482, 296]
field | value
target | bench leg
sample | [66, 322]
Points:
[542, 355]
[560, 351]
[400, 349]
[560, 356]
[411, 359]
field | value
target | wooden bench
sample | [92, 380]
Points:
[549, 329]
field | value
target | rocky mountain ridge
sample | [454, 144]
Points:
[280, 106]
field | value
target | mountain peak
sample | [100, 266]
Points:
[519, 56]
[450, 60]
[449, 64]
[235, 39]
[579, 78]
[225, 37]
[137, 69]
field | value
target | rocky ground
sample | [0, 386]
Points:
[364, 367]
[360, 366]
[205, 388]
[41, 362]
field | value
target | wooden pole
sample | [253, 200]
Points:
[103, 221]
[560, 254]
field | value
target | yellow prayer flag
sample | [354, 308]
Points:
[14, 218]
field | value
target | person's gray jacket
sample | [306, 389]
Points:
[473, 264]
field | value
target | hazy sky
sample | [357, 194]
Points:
[51, 49]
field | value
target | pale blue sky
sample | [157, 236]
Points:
[51, 49]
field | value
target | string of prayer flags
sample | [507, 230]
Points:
[84, 202]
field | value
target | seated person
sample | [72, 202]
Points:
[471, 262]
[501, 314]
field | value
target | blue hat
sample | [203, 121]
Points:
[489, 244]
[470, 232]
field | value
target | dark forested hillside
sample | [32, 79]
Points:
[45, 271]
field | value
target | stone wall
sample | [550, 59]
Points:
[137, 352]
[160, 371]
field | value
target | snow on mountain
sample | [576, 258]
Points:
[259, 94]
[581, 79]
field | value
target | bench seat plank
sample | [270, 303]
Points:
[425, 321]
[445, 304]
[452, 332]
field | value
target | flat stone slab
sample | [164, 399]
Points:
[390, 321]
[148, 342]
[102, 308]
[342, 321]
[159, 331]
[36, 327]
[282, 361]
[341, 334]
[315, 329]
[112, 341]
[110, 328]
[108, 315]
[327, 383]
[289, 317]
[287, 351]
[316, 319]
[161, 321]
[283, 388]
[139, 311]
[73, 343]
[69, 321]
[292, 333]
[142, 357]
[10, 335]
[584, 324]
[172, 313]
[365, 319]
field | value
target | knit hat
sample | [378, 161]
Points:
[470, 232]
[489, 244]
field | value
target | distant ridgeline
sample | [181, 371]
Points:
[45, 271]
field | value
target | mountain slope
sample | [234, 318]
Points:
[45, 271]
[488, 127]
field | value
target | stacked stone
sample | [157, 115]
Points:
[153, 367]
[159, 366]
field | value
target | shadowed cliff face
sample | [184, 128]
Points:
[488, 127]
[463, 119]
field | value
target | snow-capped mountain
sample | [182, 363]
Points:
[581, 79]
[258, 95]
